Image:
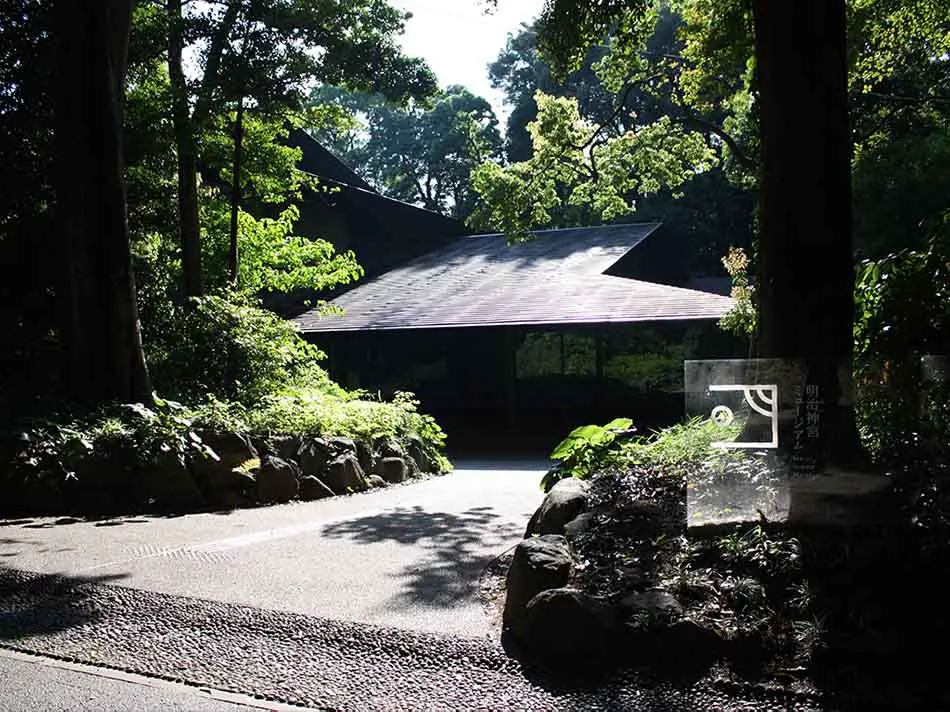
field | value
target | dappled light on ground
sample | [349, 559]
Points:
[454, 546]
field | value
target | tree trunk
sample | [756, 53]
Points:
[236, 194]
[100, 327]
[189, 229]
[806, 279]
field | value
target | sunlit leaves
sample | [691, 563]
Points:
[885, 32]
[272, 257]
[574, 164]
[419, 153]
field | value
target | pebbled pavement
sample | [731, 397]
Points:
[317, 663]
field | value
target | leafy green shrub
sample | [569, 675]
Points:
[59, 448]
[684, 443]
[121, 438]
[321, 412]
[229, 347]
[595, 448]
[903, 313]
[579, 453]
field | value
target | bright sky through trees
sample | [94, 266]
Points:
[458, 39]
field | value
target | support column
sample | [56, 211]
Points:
[510, 364]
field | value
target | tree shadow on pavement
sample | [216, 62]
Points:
[34, 604]
[456, 548]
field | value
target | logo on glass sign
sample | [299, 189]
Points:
[763, 399]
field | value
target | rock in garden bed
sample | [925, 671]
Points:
[207, 469]
[538, 564]
[277, 480]
[567, 499]
[312, 488]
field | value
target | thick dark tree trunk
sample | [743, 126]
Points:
[806, 279]
[189, 230]
[236, 194]
[100, 326]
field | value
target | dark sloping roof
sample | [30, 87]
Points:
[480, 280]
[716, 285]
[318, 161]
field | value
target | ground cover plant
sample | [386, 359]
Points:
[233, 370]
[847, 611]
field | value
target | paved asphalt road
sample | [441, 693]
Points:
[31, 684]
[408, 556]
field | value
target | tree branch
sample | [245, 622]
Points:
[908, 99]
[744, 159]
[213, 65]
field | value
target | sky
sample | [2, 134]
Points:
[458, 40]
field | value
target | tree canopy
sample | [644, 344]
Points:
[211, 130]
[420, 153]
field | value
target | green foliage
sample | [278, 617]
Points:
[272, 257]
[578, 453]
[62, 447]
[749, 585]
[70, 446]
[228, 347]
[678, 445]
[675, 451]
[755, 551]
[903, 313]
[329, 411]
[574, 165]
[420, 153]
[899, 81]
[263, 55]
[520, 71]
[741, 320]
[567, 29]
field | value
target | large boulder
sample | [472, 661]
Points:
[538, 564]
[682, 644]
[342, 446]
[236, 480]
[388, 447]
[652, 608]
[565, 621]
[232, 449]
[167, 484]
[312, 488]
[344, 474]
[313, 456]
[277, 480]
[418, 454]
[393, 469]
[567, 499]
[376, 482]
[364, 453]
[286, 447]
[579, 525]
[213, 473]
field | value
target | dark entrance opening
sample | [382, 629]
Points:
[523, 388]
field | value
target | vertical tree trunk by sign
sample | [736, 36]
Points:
[806, 283]
[100, 326]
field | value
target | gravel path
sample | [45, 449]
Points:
[314, 662]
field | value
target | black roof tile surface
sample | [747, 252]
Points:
[481, 280]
